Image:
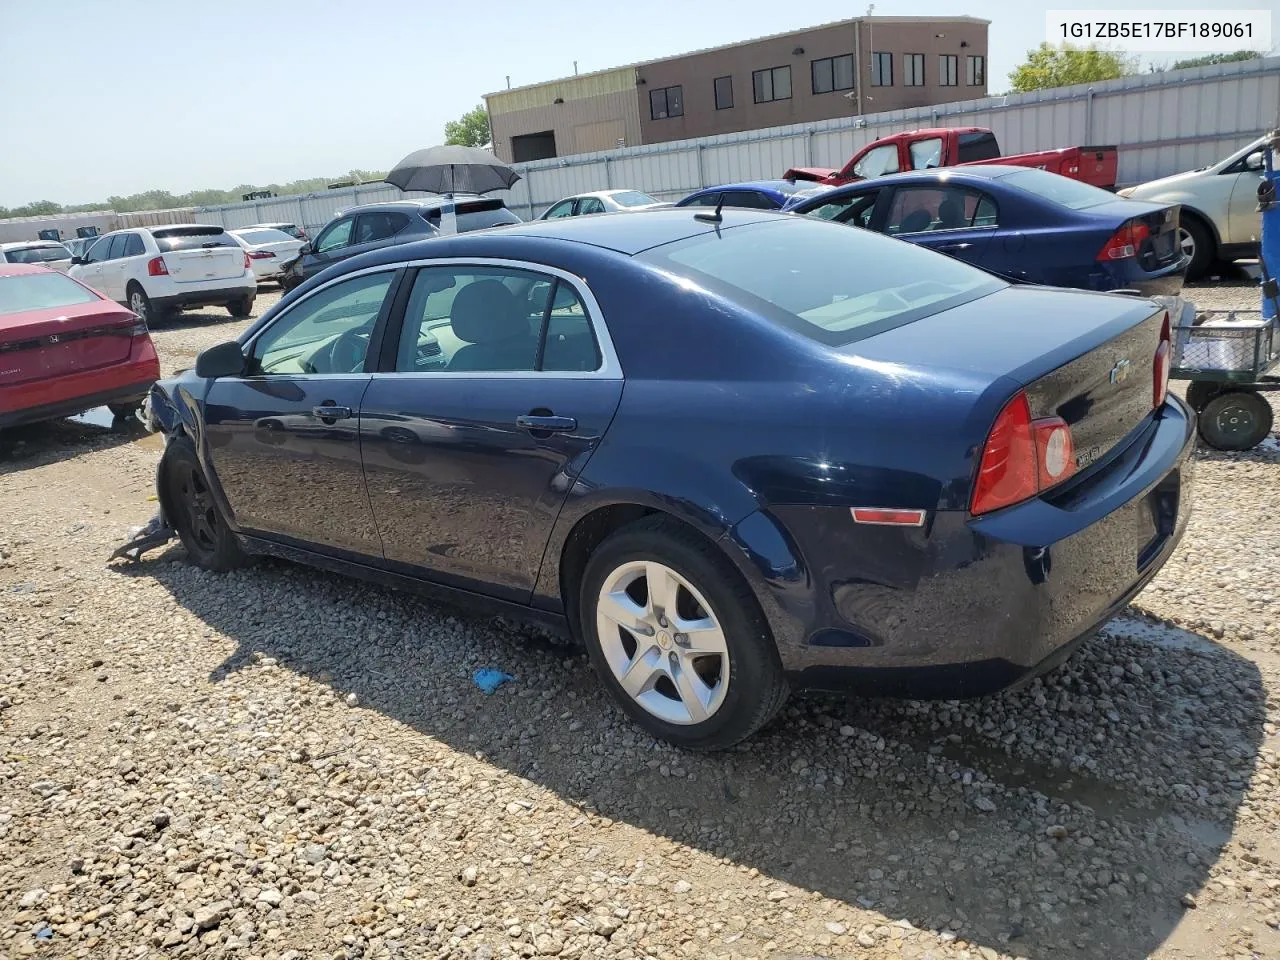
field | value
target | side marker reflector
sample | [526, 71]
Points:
[888, 518]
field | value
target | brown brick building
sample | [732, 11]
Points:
[866, 65]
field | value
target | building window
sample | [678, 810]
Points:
[666, 102]
[948, 70]
[833, 73]
[913, 69]
[771, 84]
[882, 69]
[724, 93]
[977, 71]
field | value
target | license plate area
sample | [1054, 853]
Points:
[1157, 517]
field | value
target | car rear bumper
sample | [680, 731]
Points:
[1130, 276]
[964, 607]
[68, 395]
[218, 296]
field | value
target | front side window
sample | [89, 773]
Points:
[326, 333]
[948, 70]
[977, 71]
[335, 236]
[371, 227]
[772, 84]
[878, 162]
[494, 320]
[913, 69]
[856, 209]
[98, 252]
[41, 291]
[926, 154]
[832, 73]
[724, 93]
[666, 102]
[133, 246]
[562, 209]
[795, 272]
[116, 249]
[882, 69]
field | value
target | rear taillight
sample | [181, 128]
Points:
[156, 267]
[260, 255]
[1160, 372]
[139, 329]
[1125, 242]
[1022, 457]
[247, 264]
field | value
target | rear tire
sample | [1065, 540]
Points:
[1196, 239]
[1235, 420]
[194, 513]
[141, 304]
[707, 686]
[240, 308]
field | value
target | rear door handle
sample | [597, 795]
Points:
[328, 411]
[548, 423]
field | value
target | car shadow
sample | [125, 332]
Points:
[891, 806]
[38, 444]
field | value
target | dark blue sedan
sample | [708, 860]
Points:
[1020, 223]
[734, 456]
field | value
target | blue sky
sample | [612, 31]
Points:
[106, 97]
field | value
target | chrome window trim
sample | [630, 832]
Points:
[609, 369]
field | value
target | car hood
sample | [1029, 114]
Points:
[1153, 187]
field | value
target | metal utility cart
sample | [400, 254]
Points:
[1231, 358]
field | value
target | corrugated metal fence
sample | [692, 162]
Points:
[1162, 122]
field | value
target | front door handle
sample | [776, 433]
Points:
[548, 423]
[329, 411]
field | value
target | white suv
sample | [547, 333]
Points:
[158, 271]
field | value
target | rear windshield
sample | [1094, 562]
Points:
[36, 254]
[263, 236]
[479, 219]
[633, 198]
[41, 291]
[192, 238]
[833, 283]
[1051, 186]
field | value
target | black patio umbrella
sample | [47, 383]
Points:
[451, 169]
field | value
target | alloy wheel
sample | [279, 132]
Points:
[138, 304]
[1187, 242]
[662, 642]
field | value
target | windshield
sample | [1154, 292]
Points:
[192, 238]
[798, 272]
[1069, 193]
[633, 198]
[41, 291]
[37, 254]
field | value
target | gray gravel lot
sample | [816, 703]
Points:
[279, 763]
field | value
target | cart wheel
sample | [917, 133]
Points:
[1200, 392]
[1236, 420]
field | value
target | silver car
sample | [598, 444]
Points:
[603, 201]
[1220, 219]
[50, 253]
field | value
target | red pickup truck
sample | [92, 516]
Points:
[955, 146]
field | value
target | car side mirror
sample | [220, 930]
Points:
[305, 249]
[1253, 161]
[77, 260]
[224, 360]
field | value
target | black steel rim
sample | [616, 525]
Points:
[198, 509]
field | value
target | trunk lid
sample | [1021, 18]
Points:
[199, 254]
[41, 344]
[1088, 358]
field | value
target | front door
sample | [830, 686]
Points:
[501, 390]
[1244, 223]
[331, 246]
[284, 440]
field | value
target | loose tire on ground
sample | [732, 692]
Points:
[705, 589]
[194, 513]
[1235, 420]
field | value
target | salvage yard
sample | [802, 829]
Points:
[279, 763]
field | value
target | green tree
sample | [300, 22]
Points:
[1215, 58]
[1049, 66]
[469, 130]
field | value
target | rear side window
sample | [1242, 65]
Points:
[796, 273]
[36, 254]
[480, 219]
[633, 198]
[978, 146]
[192, 238]
[41, 291]
[371, 227]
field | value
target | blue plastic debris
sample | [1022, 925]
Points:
[489, 679]
[44, 933]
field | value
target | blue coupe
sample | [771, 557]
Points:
[734, 455]
[1020, 223]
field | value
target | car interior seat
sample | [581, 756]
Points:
[951, 214]
[495, 327]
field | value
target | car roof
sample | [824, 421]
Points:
[26, 244]
[181, 226]
[17, 269]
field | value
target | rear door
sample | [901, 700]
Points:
[283, 439]
[955, 220]
[376, 229]
[198, 254]
[498, 387]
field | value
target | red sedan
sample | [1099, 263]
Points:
[65, 348]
